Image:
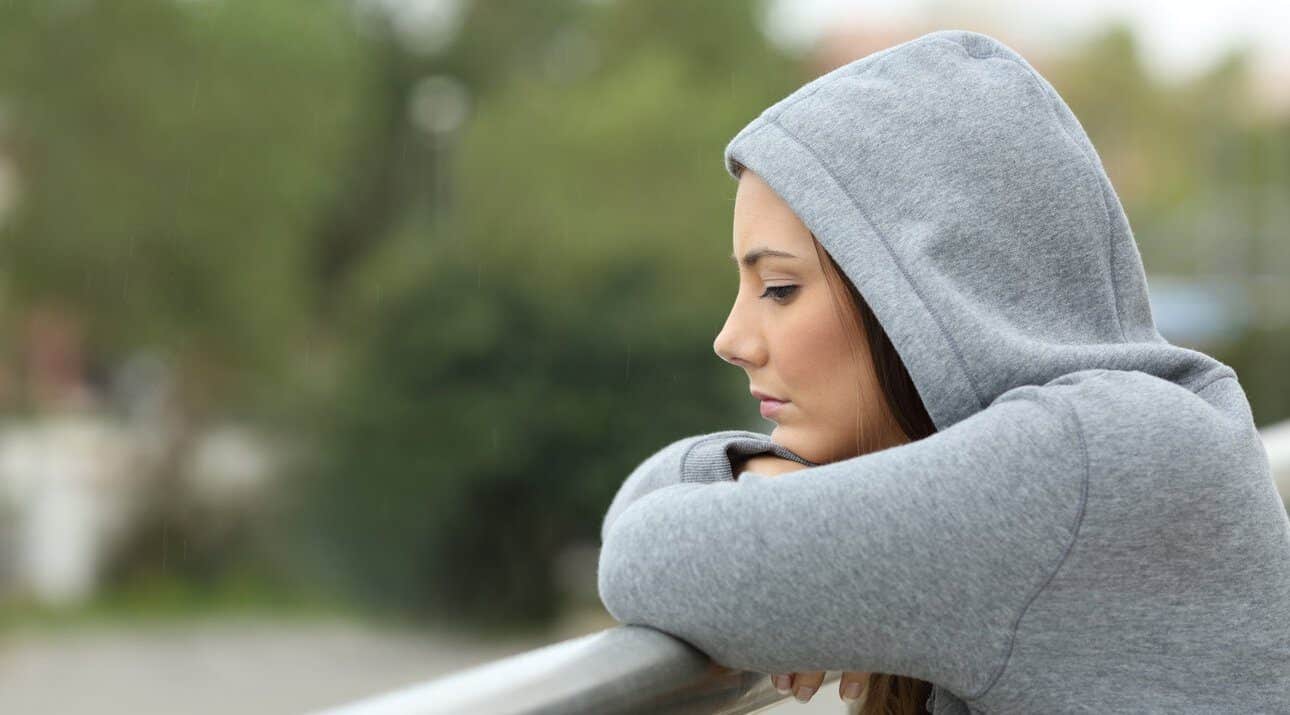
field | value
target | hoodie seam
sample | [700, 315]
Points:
[976, 393]
[1220, 378]
[1070, 546]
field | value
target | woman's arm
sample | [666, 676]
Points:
[702, 458]
[917, 559]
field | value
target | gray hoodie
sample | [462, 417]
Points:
[1093, 527]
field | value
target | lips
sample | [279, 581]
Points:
[770, 404]
[770, 407]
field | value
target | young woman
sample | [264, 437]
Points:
[992, 487]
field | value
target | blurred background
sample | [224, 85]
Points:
[329, 328]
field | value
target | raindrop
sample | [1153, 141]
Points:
[438, 104]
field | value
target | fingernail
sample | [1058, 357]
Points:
[852, 692]
[781, 684]
[804, 694]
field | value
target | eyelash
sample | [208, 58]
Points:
[788, 290]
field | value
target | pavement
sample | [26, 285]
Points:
[250, 666]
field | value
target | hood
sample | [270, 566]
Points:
[958, 192]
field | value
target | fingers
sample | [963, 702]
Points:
[805, 684]
[852, 685]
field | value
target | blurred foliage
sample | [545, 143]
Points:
[472, 337]
[173, 158]
[480, 434]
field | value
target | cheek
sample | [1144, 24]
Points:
[816, 358]
[818, 369]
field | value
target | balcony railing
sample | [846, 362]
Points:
[628, 669]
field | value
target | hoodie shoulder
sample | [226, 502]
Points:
[1133, 403]
[1132, 417]
[1182, 527]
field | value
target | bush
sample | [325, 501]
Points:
[482, 431]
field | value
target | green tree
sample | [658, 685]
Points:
[173, 157]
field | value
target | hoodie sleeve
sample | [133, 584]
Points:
[919, 559]
[696, 459]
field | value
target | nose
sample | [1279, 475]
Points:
[738, 343]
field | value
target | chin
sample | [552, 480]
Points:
[787, 437]
[821, 449]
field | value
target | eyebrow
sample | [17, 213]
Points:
[750, 258]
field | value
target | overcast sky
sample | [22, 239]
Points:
[1178, 37]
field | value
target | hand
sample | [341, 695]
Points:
[804, 685]
[768, 465]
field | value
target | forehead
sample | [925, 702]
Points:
[765, 222]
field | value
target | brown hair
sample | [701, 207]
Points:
[884, 693]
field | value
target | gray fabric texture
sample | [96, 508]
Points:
[1092, 528]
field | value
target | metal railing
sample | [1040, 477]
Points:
[625, 669]
[629, 669]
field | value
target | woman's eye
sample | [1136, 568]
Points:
[779, 293]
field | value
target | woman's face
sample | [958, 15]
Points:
[786, 333]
